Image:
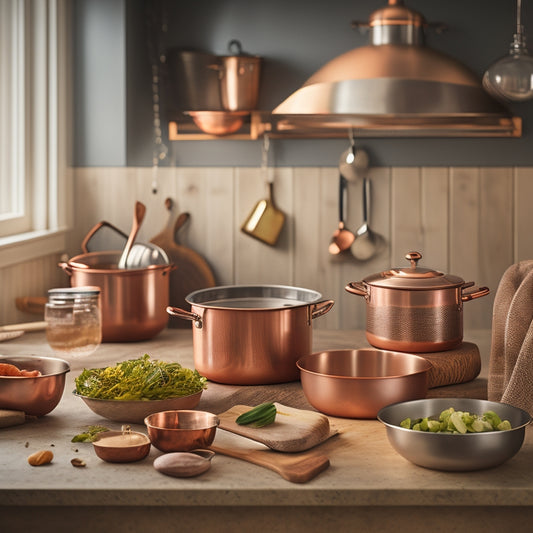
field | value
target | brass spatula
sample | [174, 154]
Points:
[265, 221]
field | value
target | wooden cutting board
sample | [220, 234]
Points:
[8, 418]
[294, 467]
[192, 272]
[294, 430]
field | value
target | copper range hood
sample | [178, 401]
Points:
[396, 87]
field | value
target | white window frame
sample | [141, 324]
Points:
[42, 158]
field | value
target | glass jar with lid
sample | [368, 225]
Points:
[74, 320]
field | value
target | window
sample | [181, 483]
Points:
[34, 188]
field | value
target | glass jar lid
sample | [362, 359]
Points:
[73, 293]
[414, 277]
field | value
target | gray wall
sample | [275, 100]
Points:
[113, 122]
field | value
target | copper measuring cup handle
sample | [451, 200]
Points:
[321, 308]
[476, 293]
[357, 287]
[186, 315]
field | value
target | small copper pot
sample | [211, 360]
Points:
[415, 309]
[133, 301]
[252, 334]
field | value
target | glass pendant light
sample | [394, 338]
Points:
[511, 77]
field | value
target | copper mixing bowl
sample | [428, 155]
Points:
[181, 430]
[358, 383]
[35, 396]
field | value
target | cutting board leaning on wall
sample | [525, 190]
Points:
[192, 272]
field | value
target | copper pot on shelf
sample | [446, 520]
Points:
[415, 309]
[251, 334]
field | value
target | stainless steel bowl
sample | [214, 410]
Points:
[36, 396]
[358, 383]
[181, 431]
[454, 452]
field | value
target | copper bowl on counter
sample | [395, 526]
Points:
[34, 395]
[121, 446]
[181, 430]
[358, 383]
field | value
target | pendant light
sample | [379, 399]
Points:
[511, 77]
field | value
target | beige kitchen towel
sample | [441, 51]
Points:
[511, 357]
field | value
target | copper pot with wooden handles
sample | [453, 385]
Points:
[251, 334]
[415, 309]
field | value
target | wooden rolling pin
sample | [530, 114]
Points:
[26, 326]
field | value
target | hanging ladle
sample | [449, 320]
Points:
[366, 241]
[138, 216]
[353, 163]
[342, 237]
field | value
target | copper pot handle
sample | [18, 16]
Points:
[94, 229]
[357, 287]
[66, 267]
[186, 315]
[321, 308]
[478, 292]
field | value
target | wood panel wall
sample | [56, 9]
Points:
[472, 222]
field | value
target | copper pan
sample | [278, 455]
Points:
[358, 383]
[252, 334]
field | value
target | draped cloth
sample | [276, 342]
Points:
[511, 356]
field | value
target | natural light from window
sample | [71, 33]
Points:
[34, 188]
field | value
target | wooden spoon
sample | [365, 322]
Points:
[138, 216]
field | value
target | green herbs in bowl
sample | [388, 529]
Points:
[133, 389]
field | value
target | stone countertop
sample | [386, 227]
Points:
[366, 475]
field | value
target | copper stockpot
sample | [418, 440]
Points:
[415, 309]
[133, 301]
[252, 334]
[358, 383]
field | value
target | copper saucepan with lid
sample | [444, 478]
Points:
[415, 309]
[251, 334]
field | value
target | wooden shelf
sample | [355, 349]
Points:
[184, 129]
[259, 123]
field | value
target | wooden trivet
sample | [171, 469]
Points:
[460, 365]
